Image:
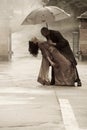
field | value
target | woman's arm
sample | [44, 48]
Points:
[51, 62]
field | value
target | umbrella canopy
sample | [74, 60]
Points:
[45, 14]
[83, 16]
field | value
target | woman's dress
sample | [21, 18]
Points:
[64, 71]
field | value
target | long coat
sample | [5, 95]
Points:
[62, 45]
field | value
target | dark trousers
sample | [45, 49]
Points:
[52, 76]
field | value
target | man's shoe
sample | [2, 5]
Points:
[79, 84]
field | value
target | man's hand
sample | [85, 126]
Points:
[51, 43]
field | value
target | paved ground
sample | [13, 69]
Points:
[27, 105]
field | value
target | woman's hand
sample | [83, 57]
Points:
[51, 62]
[54, 64]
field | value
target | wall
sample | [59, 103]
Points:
[4, 31]
[83, 39]
[83, 35]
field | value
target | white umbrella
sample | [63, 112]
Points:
[45, 14]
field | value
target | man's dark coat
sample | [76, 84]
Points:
[62, 45]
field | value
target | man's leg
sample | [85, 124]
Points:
[78, 79]
[52, 77]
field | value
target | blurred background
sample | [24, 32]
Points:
[14, 36]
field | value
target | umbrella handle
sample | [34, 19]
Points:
[46, 24]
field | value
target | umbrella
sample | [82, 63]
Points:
[45, 14]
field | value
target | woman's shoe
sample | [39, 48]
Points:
[46, 82]
[43, 82]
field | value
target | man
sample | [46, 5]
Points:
[63, 46]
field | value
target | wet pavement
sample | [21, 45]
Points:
[27, 105]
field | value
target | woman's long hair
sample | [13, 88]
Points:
[33, 48]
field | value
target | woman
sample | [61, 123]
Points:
[63, 69]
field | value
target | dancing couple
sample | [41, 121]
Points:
[56, 52]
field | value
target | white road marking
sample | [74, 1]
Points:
[68, 115]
